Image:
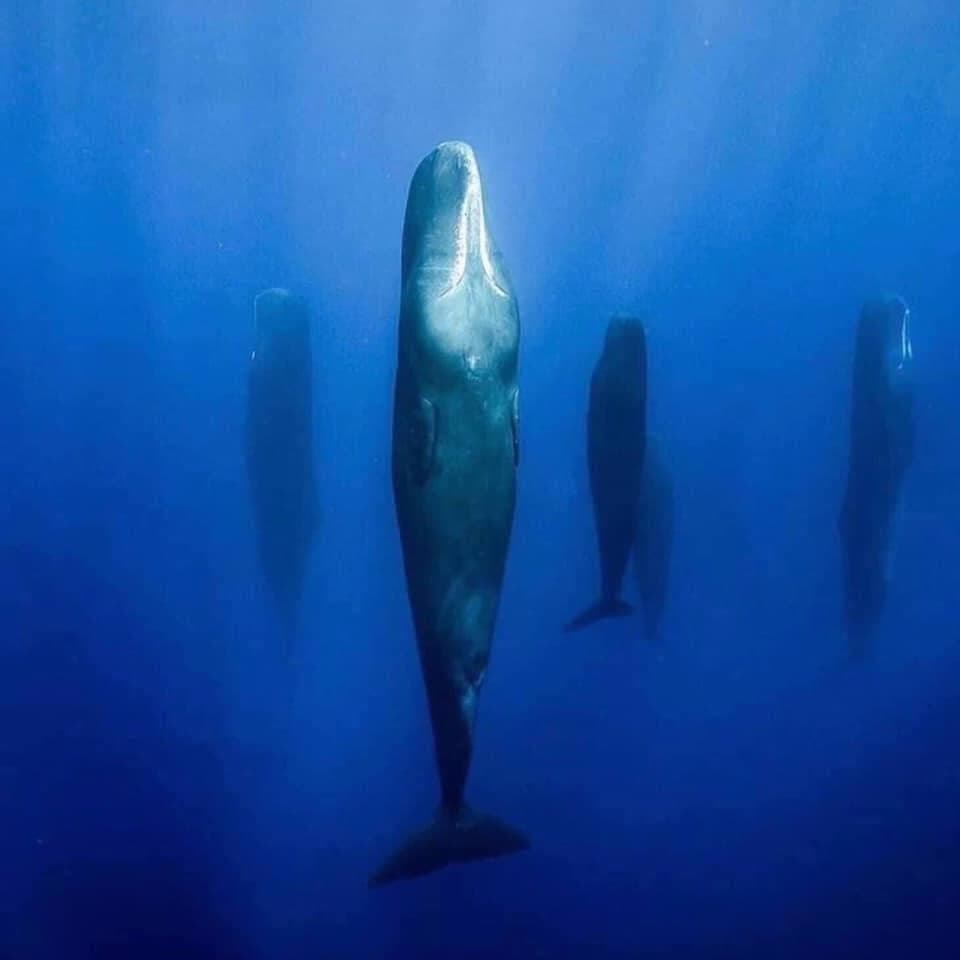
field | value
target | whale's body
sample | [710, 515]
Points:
[616, 446]
[881, 449]
[455, 454]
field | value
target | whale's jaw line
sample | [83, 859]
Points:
[470, 236]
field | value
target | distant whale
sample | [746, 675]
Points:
[455, 454]
[881, 448]
[280, 446]
[654, 538]
[616, 445]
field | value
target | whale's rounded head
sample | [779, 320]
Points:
[625, 340]
[900, 349]
[445, 233]
[884, 335]
[278, 312]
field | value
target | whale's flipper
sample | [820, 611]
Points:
[450, 839]
[423, 439]
[601, 610]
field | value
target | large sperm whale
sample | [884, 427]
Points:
[455, 454]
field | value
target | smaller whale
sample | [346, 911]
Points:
[654, 538]
[279, 441]
[881, 448]
[616, 444]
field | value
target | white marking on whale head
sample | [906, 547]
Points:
[906, 347]
[901, 346]
[470, 227]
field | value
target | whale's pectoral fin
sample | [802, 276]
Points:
[423, 439]
[601, 610]
[450, 839]
[515, 427]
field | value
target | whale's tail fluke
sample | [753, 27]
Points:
[601, 610]
[450, 839]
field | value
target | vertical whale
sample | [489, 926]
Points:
[454, 463]
[279, 445]
[616, 445]
[881, 448]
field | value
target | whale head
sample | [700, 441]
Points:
[900, 347]
[445, 233]
[625, 344]
[884, 337]
[281, 325]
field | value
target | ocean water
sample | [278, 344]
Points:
[743, 175]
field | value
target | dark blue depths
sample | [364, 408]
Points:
[744, 175]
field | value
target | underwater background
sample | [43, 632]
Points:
[741, 174]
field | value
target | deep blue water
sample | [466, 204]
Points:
[743, 173]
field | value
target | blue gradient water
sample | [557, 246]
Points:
[745, 174]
